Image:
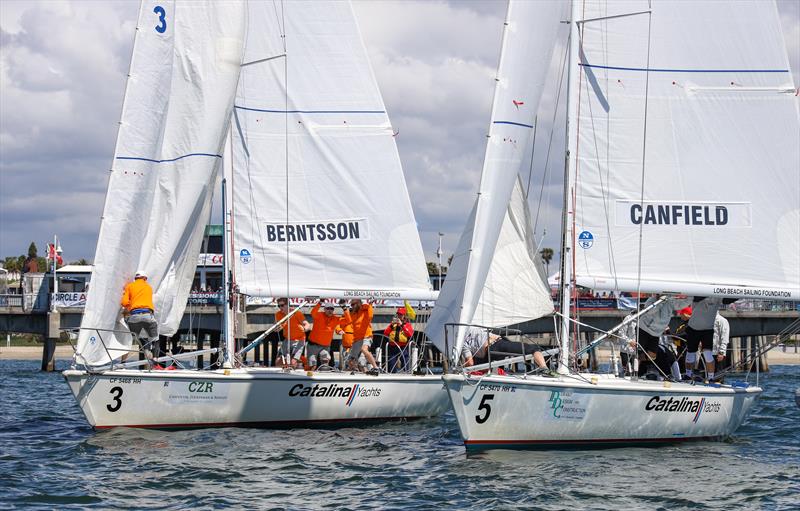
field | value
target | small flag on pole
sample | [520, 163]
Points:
[410, 312]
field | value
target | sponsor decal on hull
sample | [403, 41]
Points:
[334, 390]
[683, 405]
[566, 405]
[197, 392]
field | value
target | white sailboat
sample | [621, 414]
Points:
[312, 150]
[682, 171]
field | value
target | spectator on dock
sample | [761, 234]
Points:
[321, 336]
[399, 333]
[361, 324]
[137, 305]
[293, 333]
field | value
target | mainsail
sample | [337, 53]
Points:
[687, 134]
[182, 80]
[320, 203]
[528, 42]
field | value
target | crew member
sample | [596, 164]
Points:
[652, 325]
[679, 338]
[626, 343]
[137, 305]
[399, 332]
[325, 324]
[722, 332]
[700, 330]
[293, 332]
[475, 349]
[361, 326]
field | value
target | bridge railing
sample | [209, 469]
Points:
[11, 301]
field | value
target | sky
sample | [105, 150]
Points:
[62, 79]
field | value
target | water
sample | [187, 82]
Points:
[50, 458]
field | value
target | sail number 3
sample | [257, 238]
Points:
[162, 18]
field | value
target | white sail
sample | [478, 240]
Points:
[179, 97]
[718, 201]
[528, 42]
[514, 290]
[320, 202]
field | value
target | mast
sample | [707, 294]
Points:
[568, 213]
[227, 330]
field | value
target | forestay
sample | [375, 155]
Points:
[179, 96]
[716, 195]
[528, 42]
[320, 202]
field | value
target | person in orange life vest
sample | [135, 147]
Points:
[293, 333]
[361, 314]
[399, 333]
[137, 305]
[319, 341]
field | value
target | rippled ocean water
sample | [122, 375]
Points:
[50, 458]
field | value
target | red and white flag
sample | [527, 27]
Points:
[51, 253]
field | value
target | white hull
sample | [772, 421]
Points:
[250, 397]
[511, 413]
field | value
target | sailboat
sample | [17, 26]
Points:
[278, 104]
[681, 178]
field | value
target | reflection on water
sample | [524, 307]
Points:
[51, 458]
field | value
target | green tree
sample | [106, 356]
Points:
[547, 256]
[11, 264]
[81, 262]
[32, 251]
[433, 268]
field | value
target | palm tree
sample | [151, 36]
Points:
[547, 256]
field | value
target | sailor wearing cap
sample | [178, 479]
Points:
[137, 305]
[319, 340]
[399, 332]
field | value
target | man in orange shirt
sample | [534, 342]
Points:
[319, 341]
[294, 335]
[347, 341]
[361, 317]
[137, 304]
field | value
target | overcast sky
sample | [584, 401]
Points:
[62, 79]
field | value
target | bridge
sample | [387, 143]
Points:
[750, 326]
